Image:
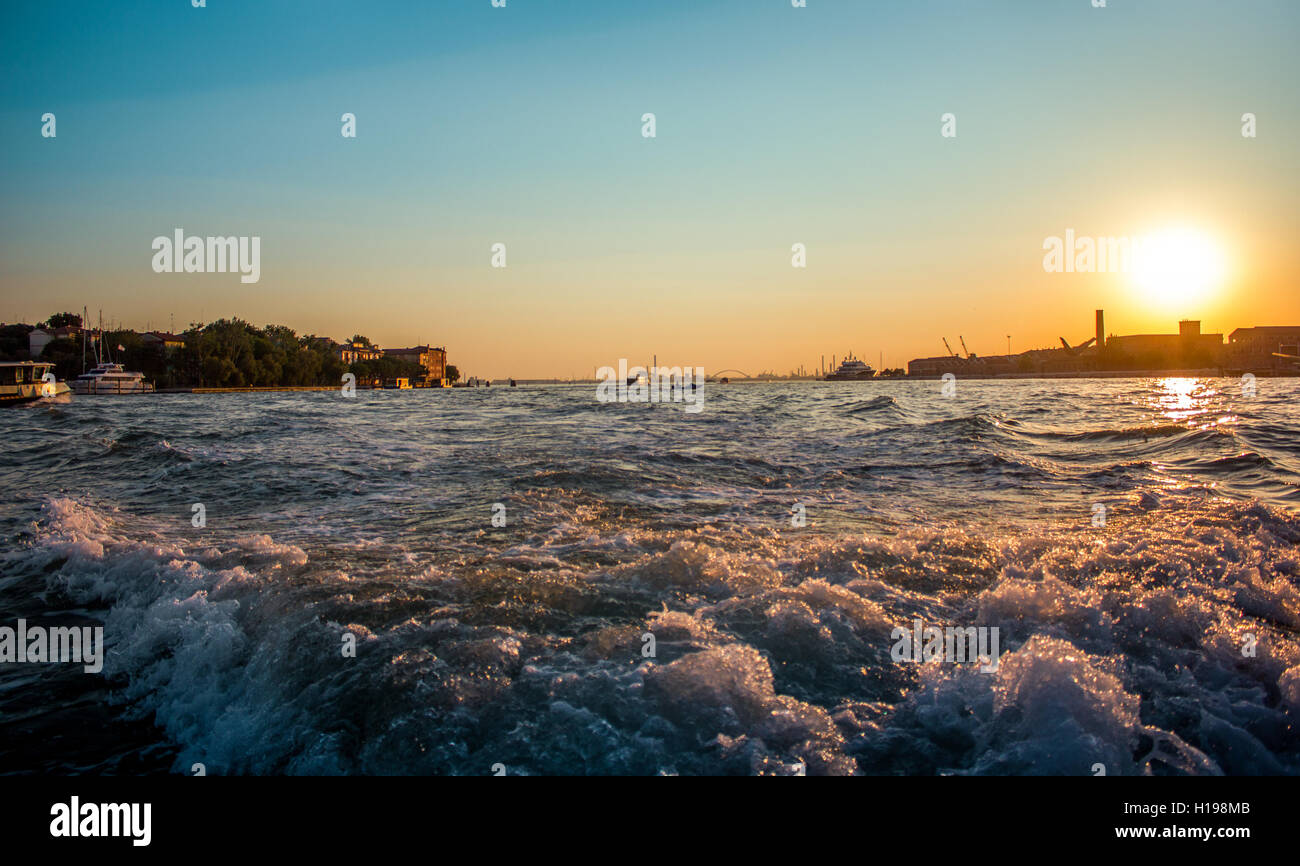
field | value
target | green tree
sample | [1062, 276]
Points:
[227, 353]
[65, 354]
[62, 320]
[13, 342]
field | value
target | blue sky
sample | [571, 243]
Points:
[522, 125]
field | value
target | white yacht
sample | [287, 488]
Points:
[851, 370]
[109, 378]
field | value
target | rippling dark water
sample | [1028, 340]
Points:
[522, 645]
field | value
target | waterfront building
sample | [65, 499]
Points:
[432, 358]
[1254, 348]
[1189, 348]
[39, 338]
[161, 339]
[356, 350]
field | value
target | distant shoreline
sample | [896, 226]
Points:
[1093, 374]
[1118, 374]
[251, 389]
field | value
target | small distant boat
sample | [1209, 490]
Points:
[28, 381]
[110, 378]
[851, 370]
[397, 384]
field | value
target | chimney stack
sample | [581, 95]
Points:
[1101, 330]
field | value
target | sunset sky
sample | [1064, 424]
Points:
[775, 126]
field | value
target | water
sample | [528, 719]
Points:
[1121, 645]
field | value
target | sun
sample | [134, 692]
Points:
[1178, 267]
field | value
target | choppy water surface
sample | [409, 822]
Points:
[522, 646]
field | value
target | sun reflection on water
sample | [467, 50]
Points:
[1183, 399]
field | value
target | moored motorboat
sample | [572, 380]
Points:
[110, 378]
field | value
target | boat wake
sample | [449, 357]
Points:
[771, 654]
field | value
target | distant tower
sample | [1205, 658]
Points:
[1101, 330]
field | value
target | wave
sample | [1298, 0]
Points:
[1120, 434]
[769, 545]
[772, 655]
[882, 403]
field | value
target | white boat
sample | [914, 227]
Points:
[851, 370]
[109, 378]
[27, 381]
